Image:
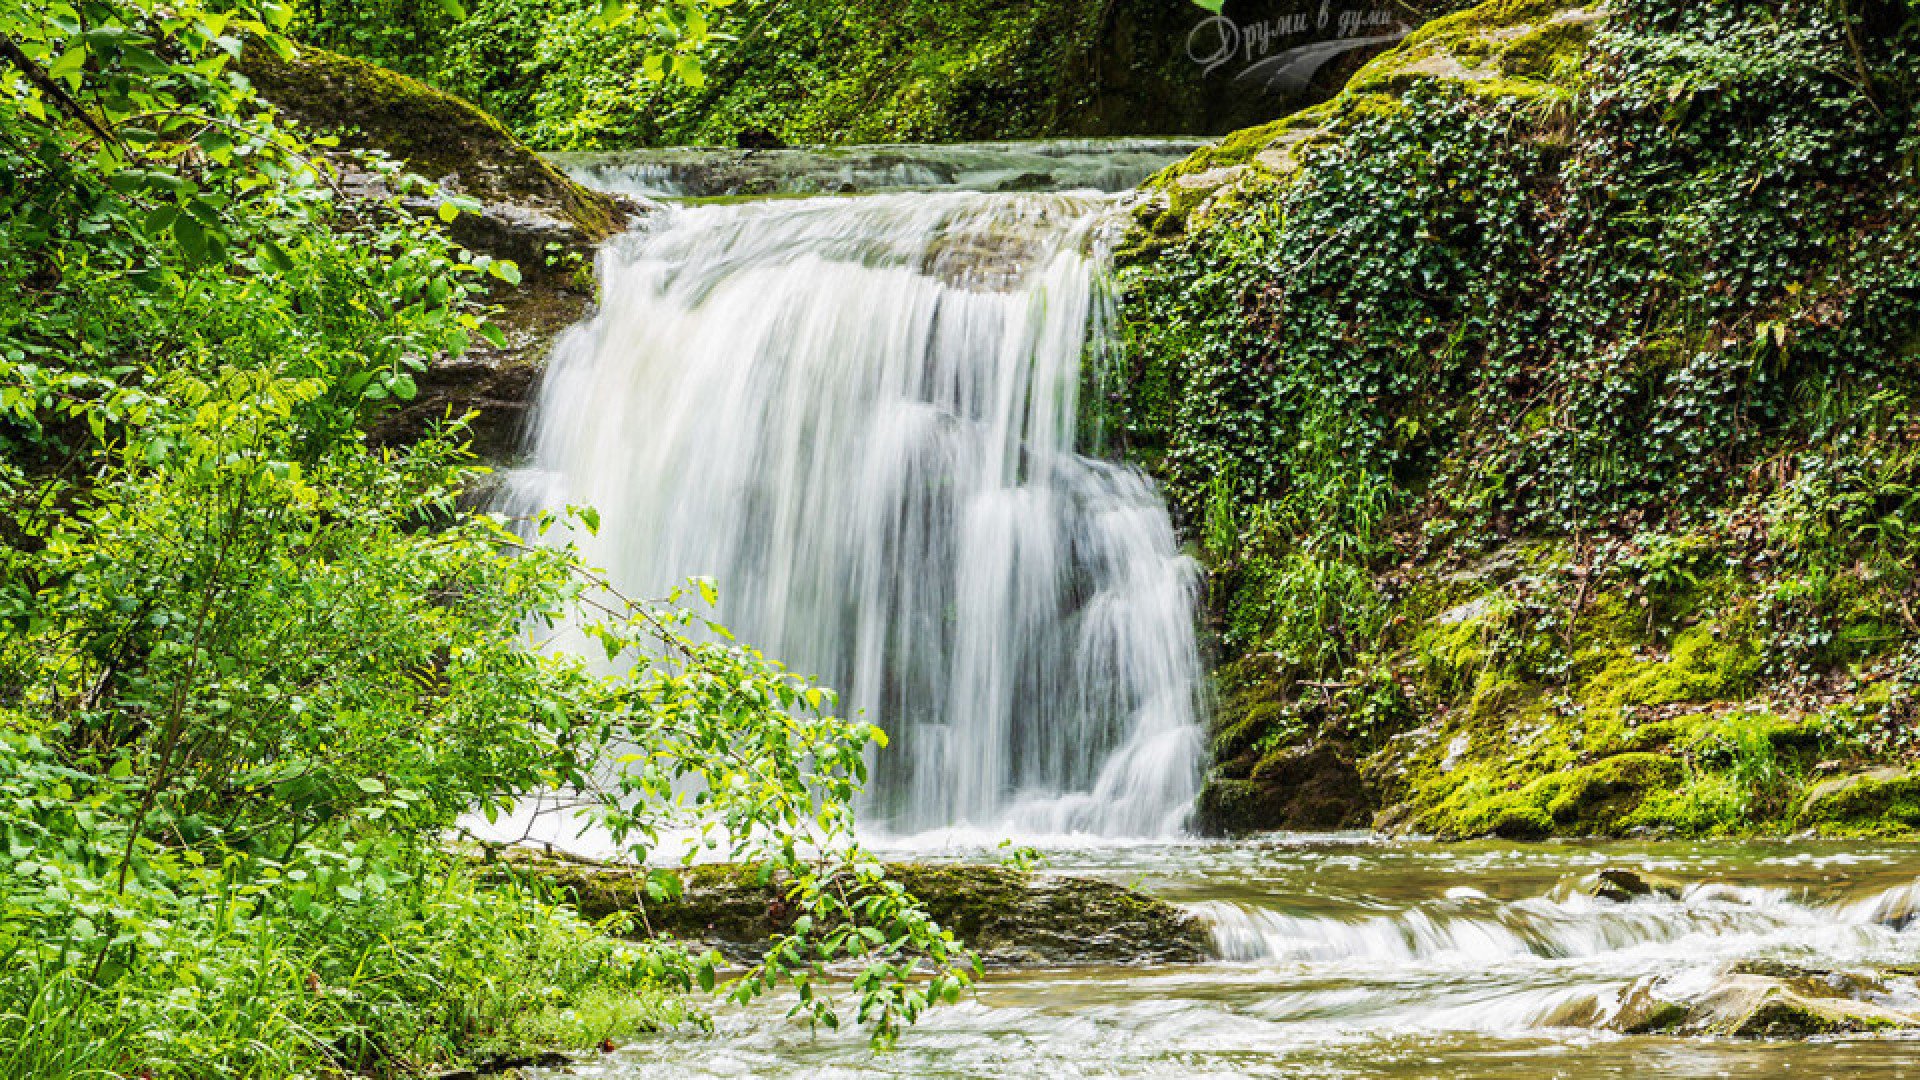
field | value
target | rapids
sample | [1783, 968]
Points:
[1353, 957]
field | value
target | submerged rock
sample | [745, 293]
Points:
[1008, 916]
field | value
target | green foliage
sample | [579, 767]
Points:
[565, 77]
[1560, 383]
[564, 73]
[254, 669]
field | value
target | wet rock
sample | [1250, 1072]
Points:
[1812, 981]
[1622, 885]
[1758, 1006]
[758, 139]
[1637, 1010]
[1311, 787]
[1643, 1012]
[1008, 916]
[1031, 181]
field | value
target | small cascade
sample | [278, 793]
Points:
[858, 416]
[1705, 921]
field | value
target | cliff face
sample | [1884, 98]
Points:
[1545, 409]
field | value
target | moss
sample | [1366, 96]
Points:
[1878, 800]
[1508, 48]
[1513, 48]
[1599, 799]
[1704, 665]
[1548, 52]
[438, 134]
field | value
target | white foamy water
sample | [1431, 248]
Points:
[858, 416]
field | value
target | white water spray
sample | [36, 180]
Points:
[858, 416]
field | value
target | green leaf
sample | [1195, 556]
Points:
[454, 9]
[191, 237]
[276, 257]
[403, 387]
[505, 270]
[371, 785]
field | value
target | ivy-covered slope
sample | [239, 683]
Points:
[1544, 408]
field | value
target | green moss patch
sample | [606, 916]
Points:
[438, 134]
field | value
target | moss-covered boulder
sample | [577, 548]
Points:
[530, 213]
[1296, 787]
[445, 139]
[1009, 916]
[1760, 1006]
[1871, 800]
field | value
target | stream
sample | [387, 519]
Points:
[859, 416]
[1346, 956]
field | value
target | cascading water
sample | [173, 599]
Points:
[858, 416]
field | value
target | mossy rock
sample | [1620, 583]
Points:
[1706, 663]
[1008, 916]
[1511, 48]
[531, 213]
[1592, 800]
[1881, 799]
[1502, 48]
[1759, 1006]
[1307, 788]
[439, 135]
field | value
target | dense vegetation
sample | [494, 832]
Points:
[797, 71]
[802, 72]
[253, 669]
[1547, 409]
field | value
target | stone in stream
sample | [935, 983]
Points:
[1622, 885]
[1008, 916]
[1757, 998]
[1760, 1006]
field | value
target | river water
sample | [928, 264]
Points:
[859, 415]
[1352, 957]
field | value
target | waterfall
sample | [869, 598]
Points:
[858, 416]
